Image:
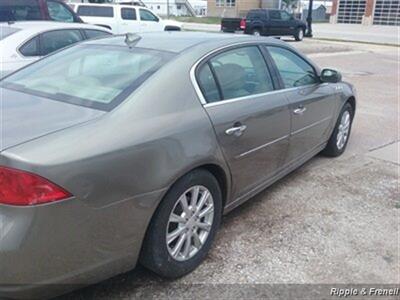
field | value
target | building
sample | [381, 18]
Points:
[366, 12]
[237, 8]
[318, 13]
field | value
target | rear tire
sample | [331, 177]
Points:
[159, 252]
[340, 136]
[256, 32]
[299, 34]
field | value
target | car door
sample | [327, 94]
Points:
[149, 21]
[57, 39]
[251, 119]
[102, 15]
[312, 103]
[129, 20]
[275, 24]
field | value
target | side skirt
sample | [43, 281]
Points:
[288, 169]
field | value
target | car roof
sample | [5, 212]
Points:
[178, 41]
[106, 4]
[39, 26]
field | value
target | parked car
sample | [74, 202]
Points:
[25, 42]
[233, 24]
[36, 10]
[124, 18]
[267, 22]
[105, 161]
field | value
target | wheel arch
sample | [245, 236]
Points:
[352, 101]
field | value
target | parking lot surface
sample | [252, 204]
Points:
[332, 221]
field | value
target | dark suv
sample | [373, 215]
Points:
[274, 22]
[36, 10]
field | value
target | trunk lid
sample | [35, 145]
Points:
[25, 117]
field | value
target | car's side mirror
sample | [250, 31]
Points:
[329, 75]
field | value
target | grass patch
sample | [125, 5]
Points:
[203, 20]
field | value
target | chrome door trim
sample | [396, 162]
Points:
[222, 102]
[311, 125]
[262, 146]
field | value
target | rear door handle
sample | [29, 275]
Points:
[300, 110]
[236, 131]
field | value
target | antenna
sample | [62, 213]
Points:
[131, 39]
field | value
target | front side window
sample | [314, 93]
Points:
[285, 16]
[128, 13]
[20, 10]
[55, 40]
[30, 48]
[241, 72]
[95, 11]
[294, 70]
[146, 15]
[58, 12]
[93, 76]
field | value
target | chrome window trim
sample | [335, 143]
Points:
[227, 101]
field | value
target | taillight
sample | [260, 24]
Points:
[242, 24]
[24, 188]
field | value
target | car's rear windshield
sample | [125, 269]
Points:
[19, 10]
[95, 76]
[7, 31]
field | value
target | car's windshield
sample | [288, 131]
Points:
[94, 76]
[7, 31]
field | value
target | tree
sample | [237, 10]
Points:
[290, 5]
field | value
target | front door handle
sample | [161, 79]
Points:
[236, 131]
[300, 110]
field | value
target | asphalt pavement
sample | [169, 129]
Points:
[333, 221]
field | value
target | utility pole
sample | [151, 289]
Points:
[167, 9]
[309, 19]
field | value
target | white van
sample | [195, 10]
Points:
[121, 19]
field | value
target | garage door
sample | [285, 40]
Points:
[351, 11]
[387, 12]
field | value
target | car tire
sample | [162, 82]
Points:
[256, 32]
[299, 34]
[340, 136]
[159, 256]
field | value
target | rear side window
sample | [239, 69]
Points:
[55, 40]
[96, 11]
[19, 10]
[207, 84]
[7, 31]
[58, 12]
[256, 14]
[92, 34]
[30, 48]
[128, 13]
[275, 15]
[242, 72]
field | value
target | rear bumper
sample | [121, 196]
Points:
[50, 249]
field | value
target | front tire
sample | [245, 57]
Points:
[184, 226]
[340, 136]
[299, 34]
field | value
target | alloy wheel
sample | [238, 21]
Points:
[190, 223]
[343, 130]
